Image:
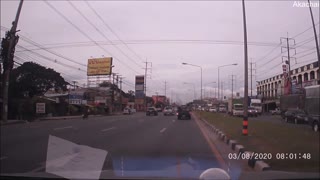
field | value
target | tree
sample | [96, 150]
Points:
[31, 79]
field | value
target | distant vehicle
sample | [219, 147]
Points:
[312, 107]
[159, 109]
[256, 104]
[275, 112]
[168, 111]
[212, 109]
[295, 115]
[152, 111]
[237, 110]
[222, 108]
[133, 110]
[183, 113]
[252, 112]
[235, 107]
[126, 111]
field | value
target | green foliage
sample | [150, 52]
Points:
[31, 79]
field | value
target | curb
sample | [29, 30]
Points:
[9, 123]
[256, 164]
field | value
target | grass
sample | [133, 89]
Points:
[267, 137]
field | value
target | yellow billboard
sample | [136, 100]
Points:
[99, 66]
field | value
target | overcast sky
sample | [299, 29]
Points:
[206, 33]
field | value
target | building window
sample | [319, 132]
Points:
[296, 71]
[308, 66]
[312, 76]
[300, 79]
[305, 77]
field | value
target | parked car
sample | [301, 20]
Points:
[133, 110]
[126, 111]
[222, 108]
[275, 112]
[183, 113]
[168, 111]
[152, 111]
[252, 112]
[314, 121]
[296, 116]
[212, 109]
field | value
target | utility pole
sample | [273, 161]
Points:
[8, 63]
[251, 76]
[147, 64]
[165, 91]
[232, 85]
[245, 103]
[316, 39]
[222, 90]
[121, 92]
[288, 58]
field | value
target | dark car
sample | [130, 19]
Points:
[314, 121]
[252, 112]
[296, 116]
[183, 113]
[152, 111]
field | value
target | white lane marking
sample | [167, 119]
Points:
[162, 130]
[3, 157]
[67, 127]
[104, 130]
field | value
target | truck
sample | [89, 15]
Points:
[257, 105]
[222, 108]
[235, 107]
[312, 107]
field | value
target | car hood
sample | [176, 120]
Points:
[146, 167]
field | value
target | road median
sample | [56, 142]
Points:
[281, 146]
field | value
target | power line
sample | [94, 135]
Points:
[102, 34]
[304, 31]
[104, 22]
[83, 33]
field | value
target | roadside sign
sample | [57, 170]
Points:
[41, 108]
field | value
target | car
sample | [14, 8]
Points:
[275, 112]
[252, 112]
[133, 110]
[222, 108]
[314, 121]
[152, 111]
[168, 111]
[183, 113]
[126, 111]
[212, 109]
[295, 115]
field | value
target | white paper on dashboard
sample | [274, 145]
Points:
[73, 161]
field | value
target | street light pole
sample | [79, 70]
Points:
[201, 76]
[234, 64]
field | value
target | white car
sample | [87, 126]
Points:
[133, 110]
[168, 111]
[126, 111]
[212, 109]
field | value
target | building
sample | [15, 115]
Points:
[272, 88]
[304, 76]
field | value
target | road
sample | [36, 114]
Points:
[137, 145]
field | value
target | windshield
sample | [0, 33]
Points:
[238, 107]
[256, 104]
[156, 89]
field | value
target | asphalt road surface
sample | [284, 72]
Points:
[137, 145]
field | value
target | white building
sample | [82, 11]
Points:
[271, 88]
